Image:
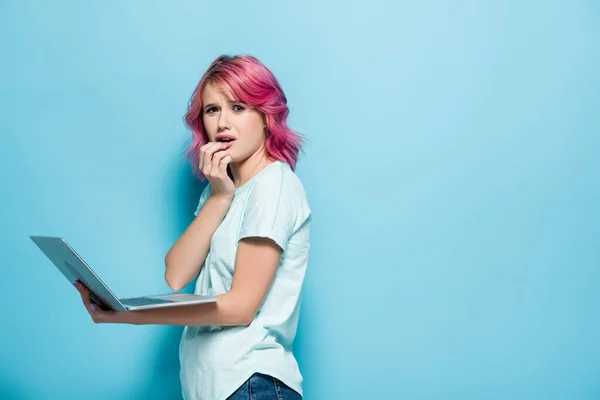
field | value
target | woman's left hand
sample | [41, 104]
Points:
[98, 315]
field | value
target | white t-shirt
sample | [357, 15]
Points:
[216, 360]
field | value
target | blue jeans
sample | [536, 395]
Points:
[264, 387]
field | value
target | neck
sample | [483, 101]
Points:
[243, 171]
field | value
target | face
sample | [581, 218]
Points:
[225, 119]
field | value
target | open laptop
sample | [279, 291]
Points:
[74, 269]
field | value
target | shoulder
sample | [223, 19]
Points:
[279, 179]
[203, 198]
[207, 191]
[280, 189]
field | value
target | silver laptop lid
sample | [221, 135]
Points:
[72, 266]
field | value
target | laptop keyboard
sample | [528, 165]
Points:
[143, 301]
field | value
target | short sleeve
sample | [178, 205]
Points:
[203, 198]
[275, 208]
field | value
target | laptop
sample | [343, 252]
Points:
[72, 266]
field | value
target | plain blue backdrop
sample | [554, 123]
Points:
[452, 169]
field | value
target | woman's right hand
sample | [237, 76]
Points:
[213, 162]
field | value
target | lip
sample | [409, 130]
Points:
[222, 136]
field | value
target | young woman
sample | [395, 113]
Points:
[248, 244]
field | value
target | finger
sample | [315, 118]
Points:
[224, 163]
[85, 296]
[206, 155]
[200, 157]
[218, 169]
[92, 308]
[79, 286]
[217, 157]
[209, 154]
[202, 154]
[96, 313]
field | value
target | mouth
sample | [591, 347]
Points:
[224, 138]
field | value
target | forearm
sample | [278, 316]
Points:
[185, 258]
[228, 311]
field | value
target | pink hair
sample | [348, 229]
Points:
[250, 82]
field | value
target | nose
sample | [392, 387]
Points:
[223, 121]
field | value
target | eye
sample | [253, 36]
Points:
[208, 110]
[237, 107]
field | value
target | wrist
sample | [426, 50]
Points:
[127, 317]
[224, 198]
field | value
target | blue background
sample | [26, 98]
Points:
[452, 168]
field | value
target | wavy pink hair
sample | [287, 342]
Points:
[250, 82]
